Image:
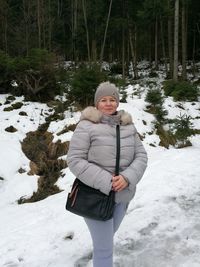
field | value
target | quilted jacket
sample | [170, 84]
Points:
[92, 152]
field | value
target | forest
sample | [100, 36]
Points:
[53, 55]
[37, 34]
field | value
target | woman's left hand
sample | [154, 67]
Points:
[119, 183]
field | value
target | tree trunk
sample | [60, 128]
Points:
[86, 28]
[163, 46]
[123, 54]
[26, 22]
[176, 35]
[184, 42]
[94, 50]
[6, 35]
[59, 9]
[133, 51]
[39, 23]
[105, 33]
[150, 44]
[170, 47]
[49, 25]
[4, 21]
[74, 29]
[123, 42]
[43, 20]
[156, 43]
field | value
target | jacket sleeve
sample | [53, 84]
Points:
[134, 172]
[77, 159]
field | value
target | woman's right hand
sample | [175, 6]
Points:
[119, 183]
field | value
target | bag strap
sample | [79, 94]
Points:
[118, 149]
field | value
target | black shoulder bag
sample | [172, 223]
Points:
[89, 202]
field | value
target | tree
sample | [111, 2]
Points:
[4, 10]
[184, 39]
[153, 13]
[176, 37]
[105, 33]
[170, 42]
[74, 26]
[163, 45]
[84, 84]
[94, 30]
[86, 28]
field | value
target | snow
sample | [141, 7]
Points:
[161, 228]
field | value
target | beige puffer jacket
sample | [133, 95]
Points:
[92, 152]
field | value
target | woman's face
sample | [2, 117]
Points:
[107, 105]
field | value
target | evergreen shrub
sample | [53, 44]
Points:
[153, 74]
[124, 96]
[154, 97]
[35, 76]
[166, 137]
[169, 87]
[83, 85]
[160, 113]
[182, 127]
[185, 91]
[116, 68]
[39, 59]
[181, 91]
[119, 82]
[6, 73]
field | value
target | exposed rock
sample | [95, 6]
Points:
[11, 129]
[34, 170]
[17, 105]
[10, 98]
[68, 128]
[23, 113]
[44, 155]
[21, 170]
[8, 108]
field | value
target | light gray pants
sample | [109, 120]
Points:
[102, 233]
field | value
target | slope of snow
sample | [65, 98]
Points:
[161, 228]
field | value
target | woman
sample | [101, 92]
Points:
[91, 158]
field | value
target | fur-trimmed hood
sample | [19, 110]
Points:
[92, 152]
[94, 115]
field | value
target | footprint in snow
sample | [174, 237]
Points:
[84, 260]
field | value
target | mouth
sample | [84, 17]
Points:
[109, 108]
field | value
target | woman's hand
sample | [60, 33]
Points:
[119, 183]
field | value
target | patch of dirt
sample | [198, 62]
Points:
[44, 156]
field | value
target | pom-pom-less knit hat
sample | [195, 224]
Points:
[106, 89]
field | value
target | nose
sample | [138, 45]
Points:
[108, 102]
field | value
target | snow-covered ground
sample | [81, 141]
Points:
[161, 228]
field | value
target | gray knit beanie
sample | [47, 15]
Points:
[106, 89]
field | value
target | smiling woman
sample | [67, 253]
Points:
[107, 105]
[104, 90]
[92, 158]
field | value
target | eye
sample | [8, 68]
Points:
[112, 100]
[103, 100]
